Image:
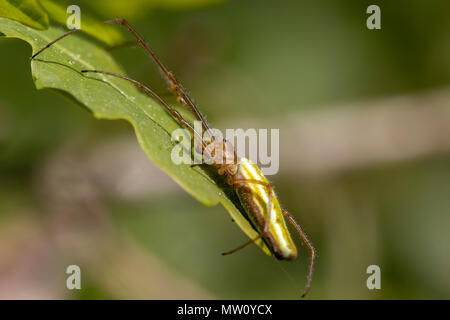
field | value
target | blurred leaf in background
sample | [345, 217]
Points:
[28, 12]
[138, 9]
[106, 33]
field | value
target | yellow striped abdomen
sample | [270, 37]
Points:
[254, 197]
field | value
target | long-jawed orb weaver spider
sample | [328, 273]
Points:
[252, 188]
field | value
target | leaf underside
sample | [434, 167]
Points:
[109, 98]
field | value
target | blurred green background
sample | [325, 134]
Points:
[364, 118]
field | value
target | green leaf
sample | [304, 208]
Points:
[111, 98]
[28, 12]
[106, 33]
